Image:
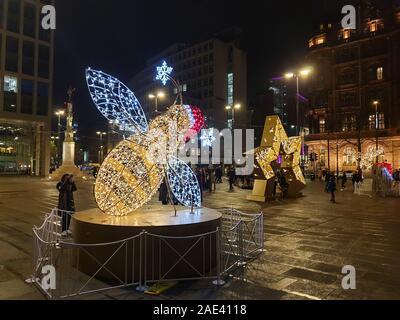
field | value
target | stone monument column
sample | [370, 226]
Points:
[68, 164]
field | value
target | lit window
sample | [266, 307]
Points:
[373, 27]
[346, 34]
[379, 73]
[380, 124]
[320, 40]
[230, 89]
[322, 126]
[10, 84]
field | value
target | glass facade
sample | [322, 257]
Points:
[16, 148]
[25, 88]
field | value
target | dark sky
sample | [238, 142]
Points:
[118, 36]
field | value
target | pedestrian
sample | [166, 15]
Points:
[284, 186]
[199, 177]
[66, 188]
[331, 188]
[163, 193]
[231, 177]
[212, 184]
[344, 181]
[218, 175]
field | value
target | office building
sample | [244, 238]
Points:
[26, 73]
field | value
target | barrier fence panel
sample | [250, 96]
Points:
[64, 269]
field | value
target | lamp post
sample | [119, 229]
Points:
[155, 97]
[297, 76]
[232, 108]
[101, 151]
[376, 104]
[59, 114]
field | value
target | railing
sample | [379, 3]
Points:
[139, 259]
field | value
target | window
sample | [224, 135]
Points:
[28, 58]
[373, 124]
[322, 125]
[347, 76]
[27, 96]
[44, 62]
[349, 123]
[12, 47]
[379, 73]
[373, 26]
[29, 20]
[230, 89]
[13, 15]
[10, 93]
[349, 157]
[42, 99]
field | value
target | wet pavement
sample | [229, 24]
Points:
[307, 242]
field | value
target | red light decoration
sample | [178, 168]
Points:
[198, 117]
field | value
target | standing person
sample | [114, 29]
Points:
[211, 176]
[283, 185]
[218, 175]
[344, 181]
[231, 177]
[66, 188]
[163, 193]
[199, 177]
[331, 188]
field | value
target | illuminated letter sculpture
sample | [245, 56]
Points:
[277, 152]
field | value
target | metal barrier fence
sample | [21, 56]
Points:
[139, 262]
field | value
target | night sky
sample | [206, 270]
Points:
[118, 36]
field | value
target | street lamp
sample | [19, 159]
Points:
[59, 114]
[297, 76]
[101, 152]
[155, 97]
[232, 109]
[376, 104]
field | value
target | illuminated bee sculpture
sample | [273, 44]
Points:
[133, 171]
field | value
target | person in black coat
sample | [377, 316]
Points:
[66, 188]
[163, 196]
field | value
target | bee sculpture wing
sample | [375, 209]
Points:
[116, 101]
[183, 182]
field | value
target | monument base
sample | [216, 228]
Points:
[66, 169]
[157, 252]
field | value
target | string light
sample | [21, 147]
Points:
[115, 101]
[277, 146]
[184, 184]
[207, 137]
[163, 73]
[133, 171]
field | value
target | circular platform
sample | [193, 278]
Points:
[154, 255]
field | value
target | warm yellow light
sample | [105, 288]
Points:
[152, 96]
[305, 72]
[289, 75]
[238, 106]
[160, 94]
[376, 102]
[228, 108]
[60, 113]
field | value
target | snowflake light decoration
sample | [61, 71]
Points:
[163, 73]
[207, 137]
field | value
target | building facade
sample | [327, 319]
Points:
[212, 75]
[26, 73]
[355, 90]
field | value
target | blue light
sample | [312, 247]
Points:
[207, 137]
[163, 73]
[183, 182]
[116, 101]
